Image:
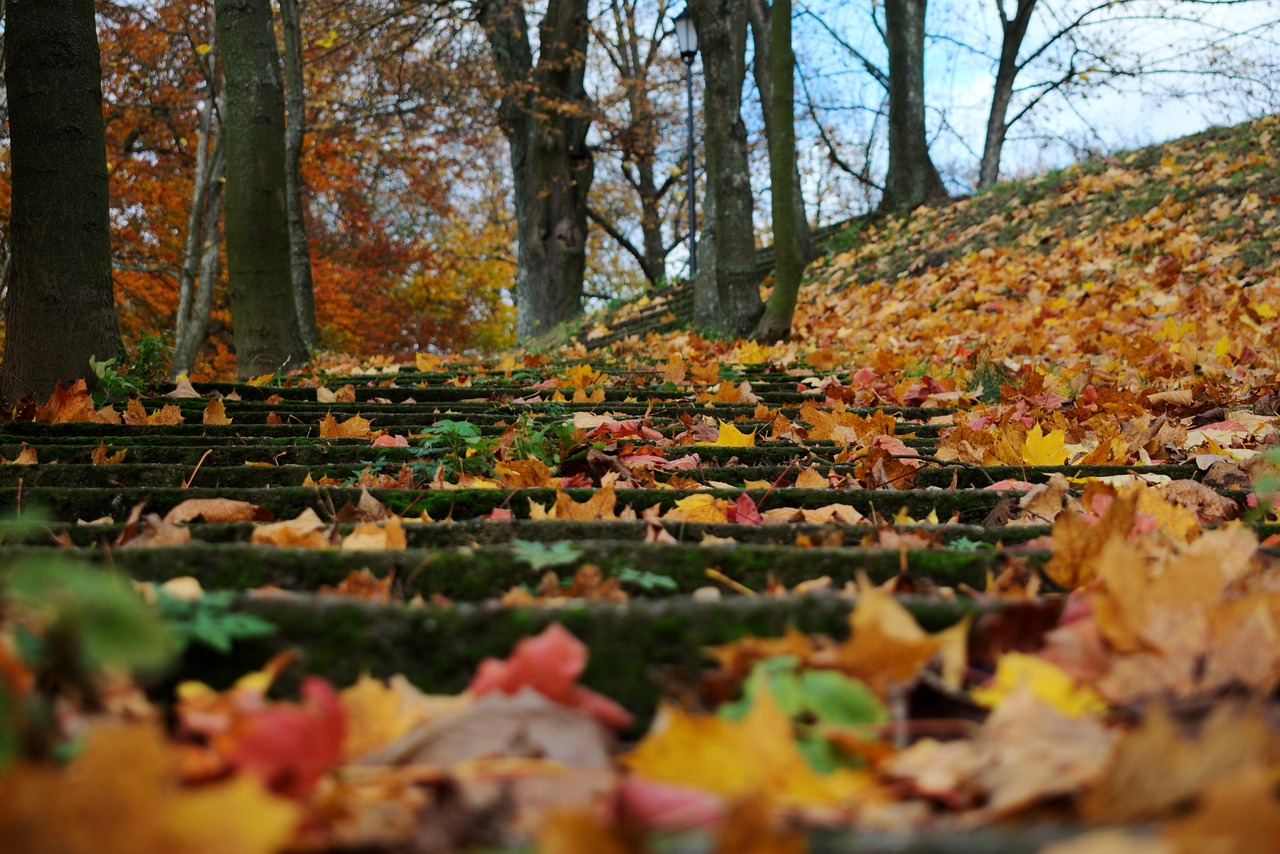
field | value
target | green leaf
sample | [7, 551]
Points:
[540, 555]
[646, 580]
[834, 698]
[98, 608]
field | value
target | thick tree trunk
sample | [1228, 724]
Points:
[766, 70]
[257, 223]
[912, 177]
[775, 323]
[726, 294]
[544, 116]
[304, 299]
[1014, 31]
[60, 308]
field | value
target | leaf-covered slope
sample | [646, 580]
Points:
[1162, 258]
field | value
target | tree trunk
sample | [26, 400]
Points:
[912, 177]
[766, 71]
[544, 116]
[204, 221]
[775, 323]
[202, 263]
[726, 294]
[60, 309]
[1014, 30]
[304, 299]
[263, 317]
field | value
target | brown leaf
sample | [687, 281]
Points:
[366, 509]
[217, 510]
[385, 536]
[307, 531]
[354, 427]
[183, 389]
[156, 532]
[100, 457]
[68, 405]
[1157, 767]
[26, 457]
[215, 413]
[363, 584]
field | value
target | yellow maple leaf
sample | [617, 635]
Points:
[1045, 449]
[699, 508]
[732, 437]
[752, 757]
[123, 794]
[1046, 681]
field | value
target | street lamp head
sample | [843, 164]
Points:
[686, 36]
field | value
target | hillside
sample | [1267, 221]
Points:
[1155, 270]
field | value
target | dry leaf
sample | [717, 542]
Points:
[217, 510]
[307, 531]
[354, 427]
[215, 413]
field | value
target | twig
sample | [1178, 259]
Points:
[187, 483]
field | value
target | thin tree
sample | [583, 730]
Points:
[775, 323]
[766, 71]
[912, 178]
[726, 292]
[59, 310]
[304, 299]
[545, 114]
[201, 262]
[260, 282]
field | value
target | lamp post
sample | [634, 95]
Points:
[687, 37]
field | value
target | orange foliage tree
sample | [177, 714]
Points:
[398, 119]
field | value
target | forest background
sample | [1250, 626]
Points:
[406, 177]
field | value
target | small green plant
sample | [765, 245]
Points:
[457, 446]
[546, 440]
[210, 621]
[148, 369]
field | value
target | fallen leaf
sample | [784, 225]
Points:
[549, 663]
[755, 756]
[122, 796]
[216, 511]
[215, 413]
[100, 456]
[306, 531]
[354, 427]
[381, 536]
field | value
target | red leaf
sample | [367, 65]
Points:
[549, 663]
[290, 746]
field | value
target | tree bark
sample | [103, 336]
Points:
[204, 221]
[544, 115]
[60, 308]
[912, 178]
[775, 323]
[264, 320]
[1014, 31]
[304, 299]
[766, 71]
[726, 294]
